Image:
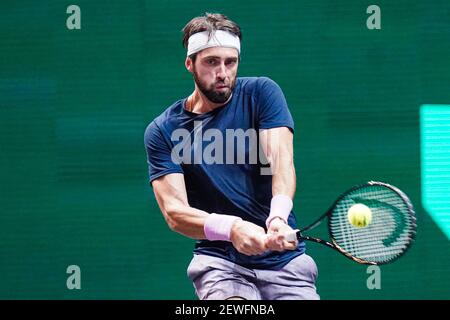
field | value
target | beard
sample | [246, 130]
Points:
[211, 93]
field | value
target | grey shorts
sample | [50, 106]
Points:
[218, 279]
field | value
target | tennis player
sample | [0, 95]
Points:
[221, 167]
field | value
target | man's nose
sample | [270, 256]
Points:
[221, 71]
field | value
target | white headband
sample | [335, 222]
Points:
[199, 41]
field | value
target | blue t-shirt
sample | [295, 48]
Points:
[222, 168]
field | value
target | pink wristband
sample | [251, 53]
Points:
[218, 226]
[280, 207]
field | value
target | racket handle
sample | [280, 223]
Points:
[291, 236]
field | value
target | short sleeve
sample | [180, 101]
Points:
[273, 110]
[158, 154]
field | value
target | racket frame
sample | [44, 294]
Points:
[333, 244]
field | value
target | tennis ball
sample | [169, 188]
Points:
[359, 215]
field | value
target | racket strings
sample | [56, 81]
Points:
[389, 233]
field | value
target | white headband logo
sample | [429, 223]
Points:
[199, 41]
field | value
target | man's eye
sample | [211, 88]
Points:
[212, 61]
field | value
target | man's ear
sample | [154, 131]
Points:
[189, 64]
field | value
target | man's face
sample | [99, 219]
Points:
[215, 72]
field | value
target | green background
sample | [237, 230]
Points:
[74, 105]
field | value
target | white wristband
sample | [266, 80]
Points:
[280, 207]
[218, 226]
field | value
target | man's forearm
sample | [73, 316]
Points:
[198, 224]
[283, 190]
[186, 220]
[277, 145]
[284, 179]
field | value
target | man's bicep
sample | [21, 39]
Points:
[276, 142]
[279, 153]
[170, 190]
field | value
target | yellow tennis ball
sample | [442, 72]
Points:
[359, 215]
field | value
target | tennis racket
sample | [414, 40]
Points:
[387, 237]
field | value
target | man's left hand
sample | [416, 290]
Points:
[275, 236]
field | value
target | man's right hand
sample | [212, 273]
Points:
[248, 238]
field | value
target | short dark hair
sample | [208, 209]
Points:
[209, 22]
